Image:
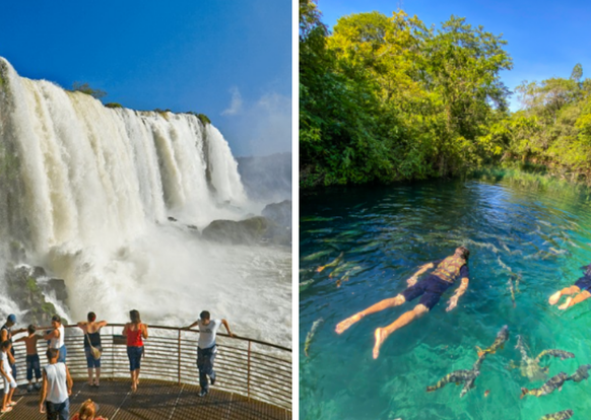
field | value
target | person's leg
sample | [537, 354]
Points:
[380, 306]
[97, 366]
[140, 352]
[381, 334]
[37, 369]
[30, 360]
[5, 396]
[564, 292]
[209, 365]
[63, 410]
[584, 295]
[201, 365]
[51, 411]
[131, 357]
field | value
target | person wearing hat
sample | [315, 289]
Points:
[6, 334]
[206, 348]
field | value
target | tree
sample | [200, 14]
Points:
[85, 88]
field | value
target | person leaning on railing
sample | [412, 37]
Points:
[87, 412]
[56, 338]
[135, 331]
[206, 348]
[6, 334]
[92, 346]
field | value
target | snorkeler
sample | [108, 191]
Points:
[581, 289]
[431, 289]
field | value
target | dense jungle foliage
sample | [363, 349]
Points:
[384, 99]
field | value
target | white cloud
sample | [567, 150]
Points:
[235, 103]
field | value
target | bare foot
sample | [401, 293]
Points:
[565, 304]
[380, 337]
[343, 325]
[554, 298]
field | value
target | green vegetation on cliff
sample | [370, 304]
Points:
[384, 99]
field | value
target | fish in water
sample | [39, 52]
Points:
[341, 268]
[457, 376]
[317, 255]
[581, 374]
[310, 335]
[304, 285]
[467, 377]
[529, 367]
[502, 337]
[561, 415]
[553, 383]
[486, 393]
[561, 354]
[512, 290]
[333, 263]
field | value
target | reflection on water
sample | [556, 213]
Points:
[524, 246]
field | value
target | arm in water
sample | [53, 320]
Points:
[453, 301]
[413, 279]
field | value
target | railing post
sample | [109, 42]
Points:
[248, 371]
[179, 358]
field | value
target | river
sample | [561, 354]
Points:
[525, 244]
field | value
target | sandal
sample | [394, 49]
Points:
[6, 410]
[12, 403]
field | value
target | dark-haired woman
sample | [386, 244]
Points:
[92, 338]
[135, 332]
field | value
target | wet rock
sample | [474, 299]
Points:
[172, 219]
[280, 213]
[247, 231]
[27, 287]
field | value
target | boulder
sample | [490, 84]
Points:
[280, 213]
[27, 287]
[247, 231]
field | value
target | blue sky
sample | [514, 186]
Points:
[230, 59]
[546, 38]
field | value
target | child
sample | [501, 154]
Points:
[33, 362]
[9, 382]
[87, 412]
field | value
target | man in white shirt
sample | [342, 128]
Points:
[57, 387]
[206, 348]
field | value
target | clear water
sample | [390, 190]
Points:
[541, 236]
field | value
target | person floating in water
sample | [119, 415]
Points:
[581, 289]
[431, 288]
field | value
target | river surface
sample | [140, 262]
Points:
[529, 242]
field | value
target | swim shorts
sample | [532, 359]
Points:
[431, 287]
[584, 283]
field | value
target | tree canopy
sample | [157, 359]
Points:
[384, 98]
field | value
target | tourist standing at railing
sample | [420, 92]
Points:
[6, 334]
[206, 348]
[135, 331]
[56, 389]
[33, 362]
[6, 372]
[56, 338]
[92, 340]
[87, 412]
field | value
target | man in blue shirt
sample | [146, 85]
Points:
[430, 289]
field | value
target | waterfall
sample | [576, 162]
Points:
[86, 191]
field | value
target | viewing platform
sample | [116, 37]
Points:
[253, 379]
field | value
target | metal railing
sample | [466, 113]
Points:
[252, 368]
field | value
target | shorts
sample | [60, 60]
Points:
[9, 382]
[63, 352]
[431, 287]
[33, 364]
[584, 283]
[135, 356]
[91, 362]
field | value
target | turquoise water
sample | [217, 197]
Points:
[542, 238]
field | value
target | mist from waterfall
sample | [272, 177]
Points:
[87, 192]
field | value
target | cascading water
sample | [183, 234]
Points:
[86, 192]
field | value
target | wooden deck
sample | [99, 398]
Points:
[153, 401]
